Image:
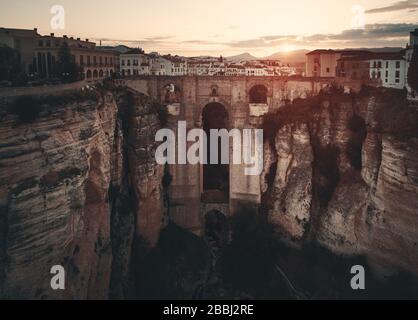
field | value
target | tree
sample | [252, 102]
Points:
[66, 69]
[10, 67]
[27, 108]
[413, 70]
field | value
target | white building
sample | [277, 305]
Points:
[217, 69]
[235, 70]
[134, 62]
[389, 69]
[160, 66]
[255, 71]
[144, 69]
[178, 66]
[287, 71]
[199, 68]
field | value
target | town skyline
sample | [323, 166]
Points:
[269, 27]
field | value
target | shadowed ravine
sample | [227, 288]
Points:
[79, 187]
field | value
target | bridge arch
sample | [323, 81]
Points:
[215, 175]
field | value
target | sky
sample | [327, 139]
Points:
[227, 27]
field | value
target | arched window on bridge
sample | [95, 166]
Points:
[171, 94]
[88, 74]
[258, 94]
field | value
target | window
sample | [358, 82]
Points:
[94, 60]
[88, 60]
[128, 62]
[379, 64]
[387, 74]
[48, 43]
[397, 80]
[40, 43]
[82, 60]
[387, 64]
[379, 75]
[327, 70]
[398, 64]
[386, 80]
[397, 74]
[123, 62]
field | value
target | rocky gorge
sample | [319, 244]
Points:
[79, 187]
[343, 173]
[73, 182]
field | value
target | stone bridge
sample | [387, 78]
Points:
[215, 103]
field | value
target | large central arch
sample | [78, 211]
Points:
[215, 176]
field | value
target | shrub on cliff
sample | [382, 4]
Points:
[27, 108]
[162, 112]
[270, 127]
[326, 171]
[357, 126]
[295, 112]
[10, 67]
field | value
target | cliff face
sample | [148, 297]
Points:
[346, 177]
[72, 194]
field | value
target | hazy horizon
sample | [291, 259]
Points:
[194, 28]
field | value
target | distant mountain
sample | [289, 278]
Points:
[385, 49]
[120, 48]
[242, 57]
[296, 56]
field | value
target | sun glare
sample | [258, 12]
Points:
[288, 48]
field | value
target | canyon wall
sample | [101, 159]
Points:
[78, 186]
[345, 176]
